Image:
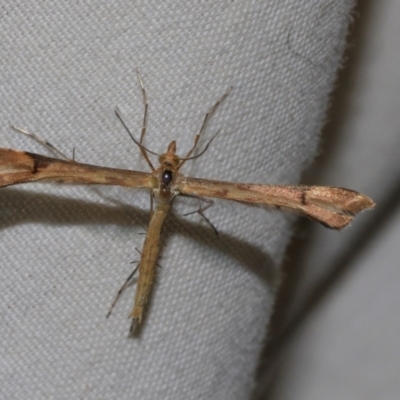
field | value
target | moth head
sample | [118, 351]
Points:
[169, 159]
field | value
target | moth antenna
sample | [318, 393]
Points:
[118, 114]
[183, 160]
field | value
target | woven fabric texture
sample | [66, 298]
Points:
[66, 249]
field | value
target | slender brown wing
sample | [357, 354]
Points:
[20, 166]
[333, 207]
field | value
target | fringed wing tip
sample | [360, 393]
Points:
[343, 216]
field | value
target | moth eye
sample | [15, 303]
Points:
[167, 177]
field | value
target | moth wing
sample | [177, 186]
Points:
[333, 207]
[20, 167]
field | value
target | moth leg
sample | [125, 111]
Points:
[121, 290]
[201, 210]
[45, 143]
[127, 282]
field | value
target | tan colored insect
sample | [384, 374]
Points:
[332, 207]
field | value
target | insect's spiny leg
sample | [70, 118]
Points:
[44, 142]
[201, 210]
[121, 290]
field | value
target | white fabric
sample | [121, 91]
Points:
[65, 250]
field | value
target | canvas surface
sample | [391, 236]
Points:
[66, 250]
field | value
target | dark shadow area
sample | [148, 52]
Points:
[24, 207]
[337, 271]
[280, 330]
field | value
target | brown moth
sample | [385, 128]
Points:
[333, 207]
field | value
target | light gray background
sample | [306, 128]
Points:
[65, 250]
